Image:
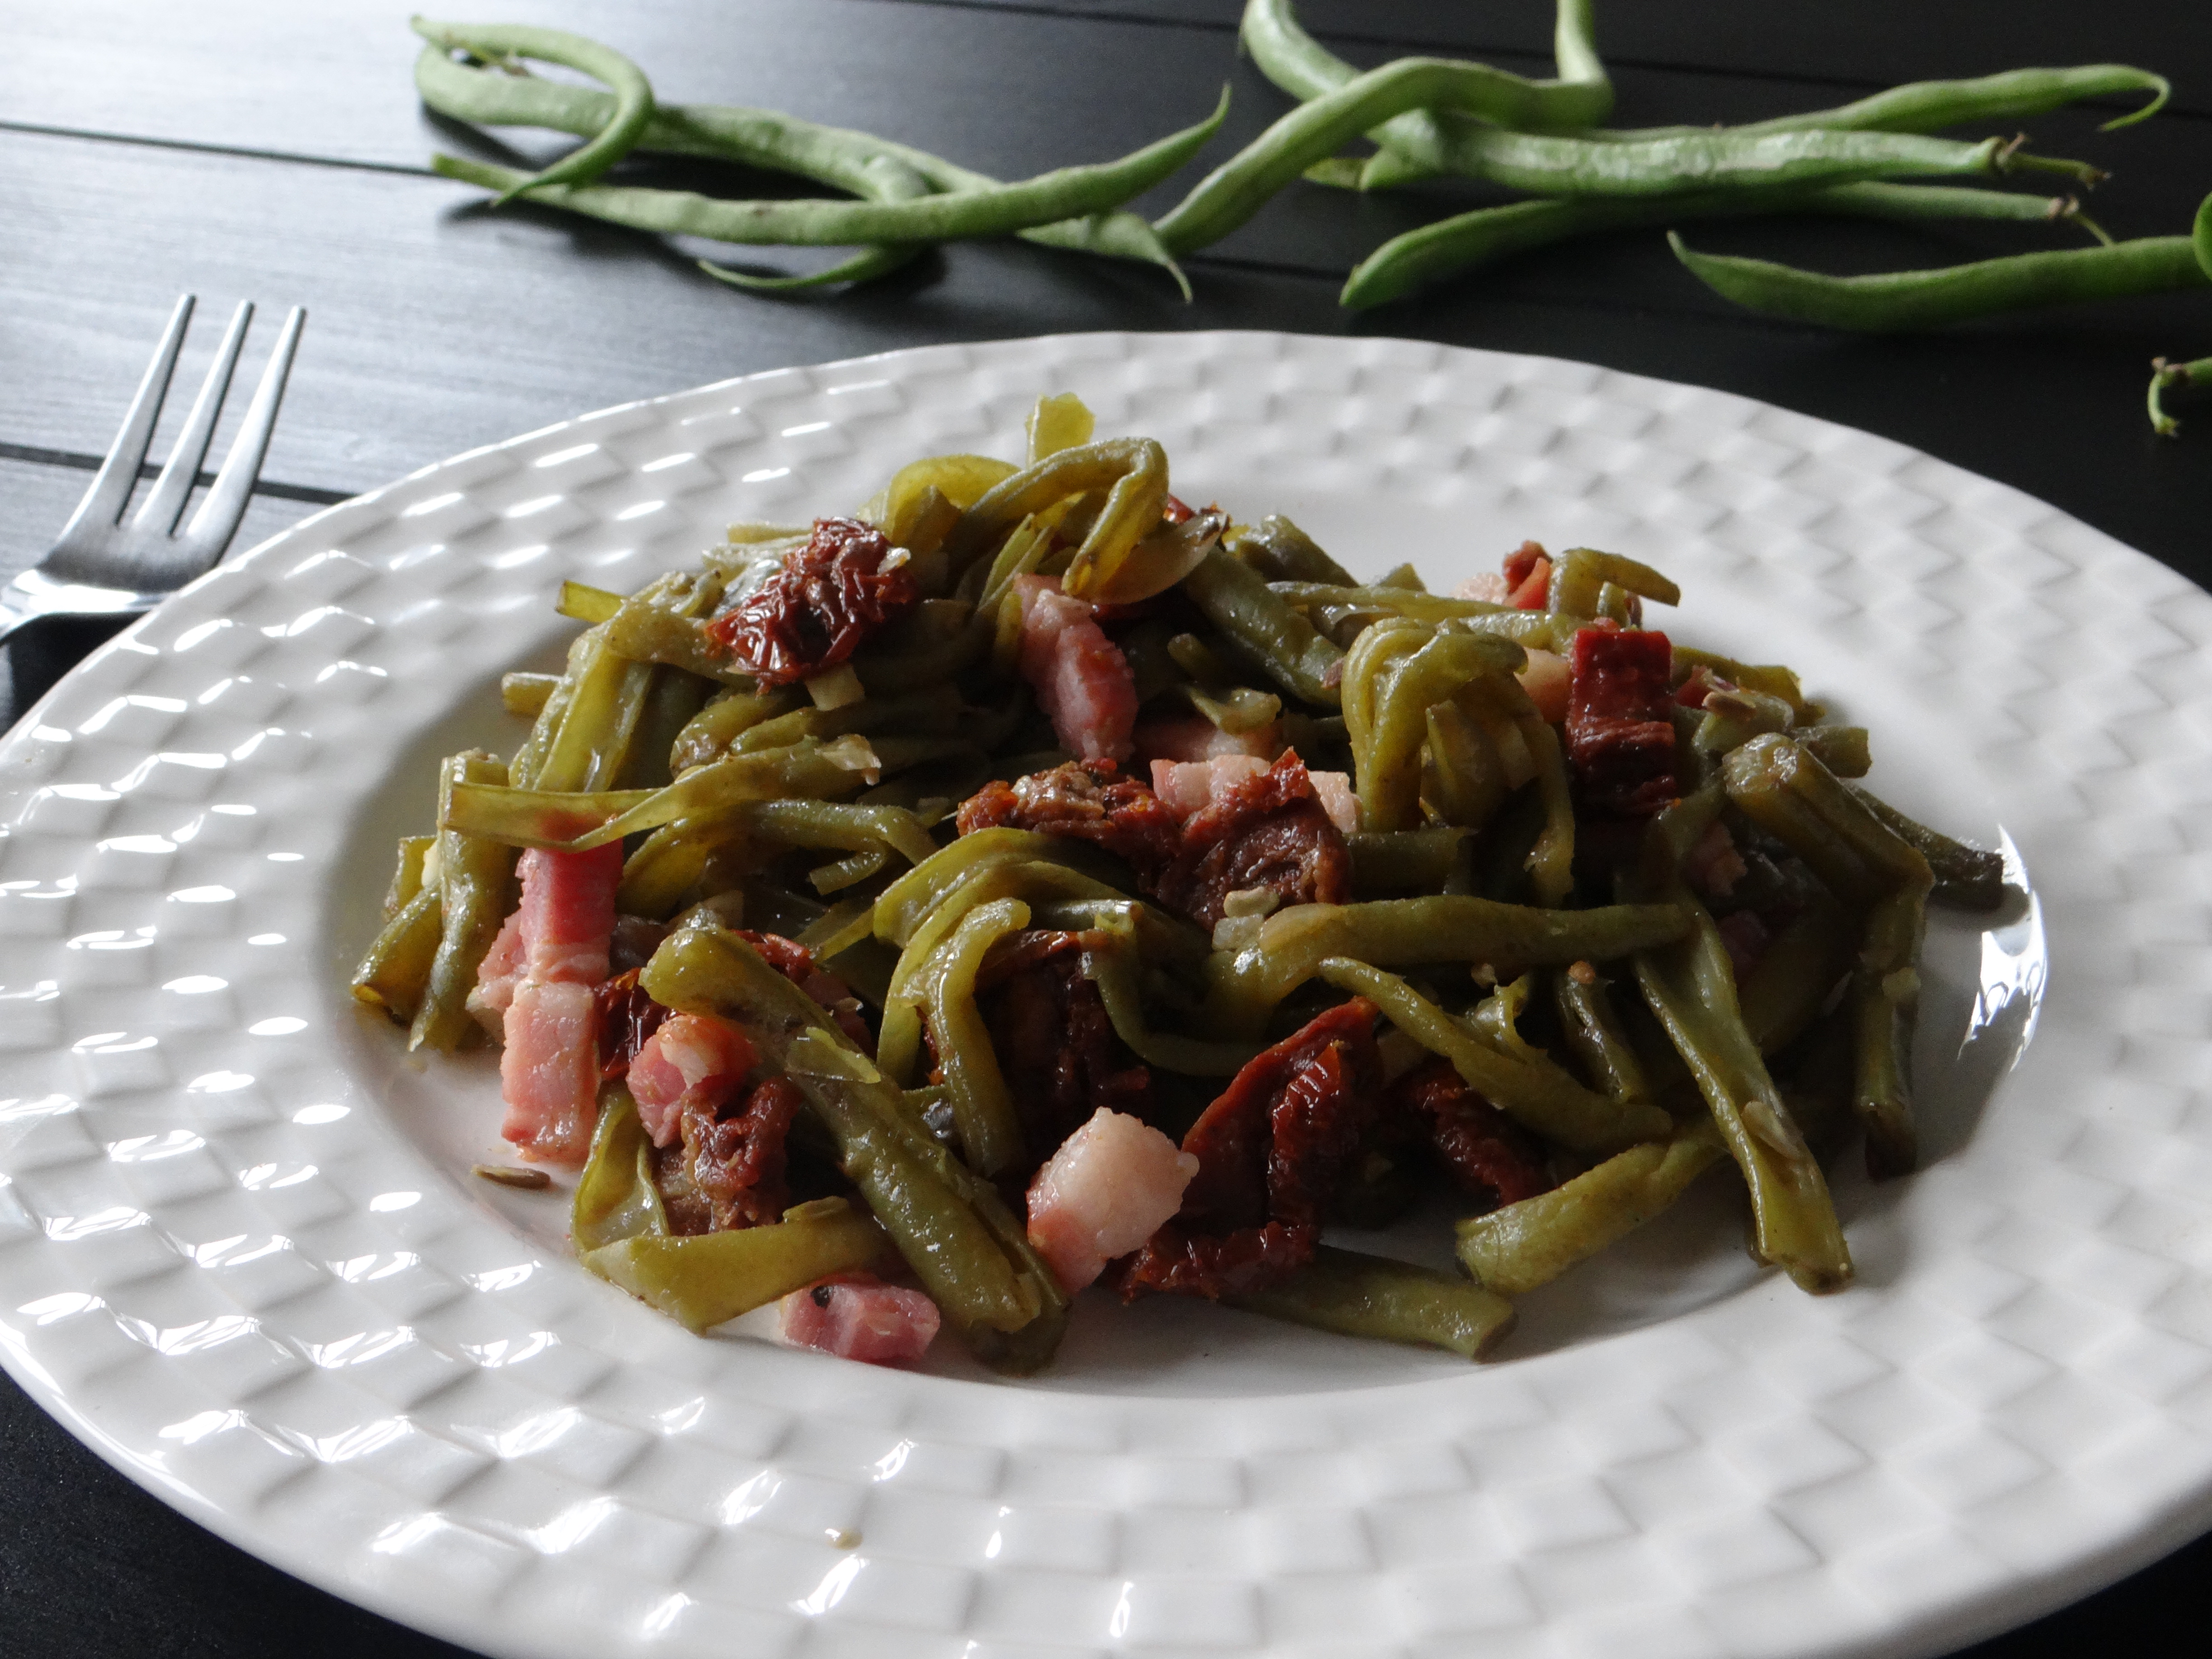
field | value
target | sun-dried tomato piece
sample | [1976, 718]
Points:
[1271, 1153]
[1056, 1048]
[1489, 1156]
[736, 1161]
[1269, 831]
[1083, 800]
[628, 1015]
[827, 597]
[1619, 736]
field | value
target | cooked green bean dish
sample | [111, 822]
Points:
[1032, 881]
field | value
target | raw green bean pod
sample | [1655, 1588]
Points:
[970, 1252]
[1069, 193]
[1245, 987]
[1902, 300]
[1691, 986]
[632, 94]
[1389, 1301]
[835, 157]
[1518, 1247]
[476, 892]
[1526, 1085]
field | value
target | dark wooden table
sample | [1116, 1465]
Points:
[256, 149]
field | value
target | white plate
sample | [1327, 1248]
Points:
[241, 1257]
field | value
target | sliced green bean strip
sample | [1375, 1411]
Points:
[1245, 987]
[633, 94]
[1784, 993]
[395, 970]
[615, 1196]
[525, 694]
[835, 157]
[407, 875]
[991, 1140]
[1902, 300]
[903, 906]
[1112, 961]
[476, 889]
[1691, 986]
[706, 1279]
[1132, 471]
[1514, 1249]
[580, 602]
[1528, 1086]
[971, 1255]
[669, 864]
[1284, 643]
[1594, 1031]
[717, 727]
[1389, 1301]
[1045, 199]
[1966, 877]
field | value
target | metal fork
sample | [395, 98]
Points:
[102, 567]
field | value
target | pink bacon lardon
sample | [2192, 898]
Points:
[1110, 1187]
[1082, 680]
[1188, 787]
[858, 1316]
[691, 1059]
[549, 1073]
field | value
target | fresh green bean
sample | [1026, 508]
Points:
[1691, 986]
[2010, 96]
[1514, 1249]
[475, 893]
[1524, 1085]
[1067, 193]
[1902, 300]
[1390, 1301]
[2167, 377]
[1245, 987]
[610, 142]
[835, 157]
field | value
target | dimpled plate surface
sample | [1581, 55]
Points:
[240, 1258]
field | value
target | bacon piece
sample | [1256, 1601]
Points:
[825, 599]
[1083, 800]
[1268, 831]
[1271, 1152]
[1187, 788]
[1549, 681]
[737, 1160]
[1082, 681]
[688, 1062]
[1111, 1185]
[549, 1073]
[1197, 738]
[568, 912]
[858, 1316]
[1489, 1155]
[497, 976]
[1057, 1050]
[1619, 736]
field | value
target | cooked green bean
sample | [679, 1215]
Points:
[991, 1139]
[525, 694]
[1580, 573]
[1785, 992]
[408, 876]
[1901, 300]
[1254, 618]
[703, 1280]
[476, 892]
[1245, 987]
[1388, 862]
[1781, 787]
[908, 902]
[1390, 1301]
[1069, 193]
[1691, 986]
[1112, 961]
[1393, 675]
[1280, 551]
[1132, 471]
[1966, 877]
[835, 157]
[395, 971]
[1514, 1249]
[1884, 1001]
[1594, 1031]
[1525, 1085]
[633, 95]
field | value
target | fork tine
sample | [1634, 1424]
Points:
[165, 505]
[110, 493]
[218, 520]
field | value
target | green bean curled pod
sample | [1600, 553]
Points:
[1902, 300]
[991, 1139]
[633, 94]
[1386, 1300]
[1046, 198]
[1132, 472]
[1287, 647]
